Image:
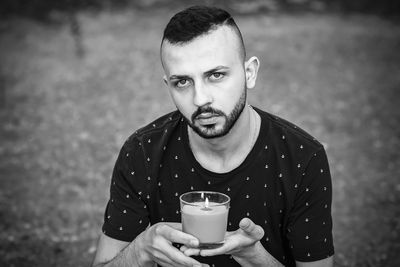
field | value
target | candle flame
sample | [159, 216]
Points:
[206, 204]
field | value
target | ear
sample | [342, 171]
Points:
[251, 69]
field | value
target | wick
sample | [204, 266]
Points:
[206, 204]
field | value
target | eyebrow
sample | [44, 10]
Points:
[180, 77]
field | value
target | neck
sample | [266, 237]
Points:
[225, 153]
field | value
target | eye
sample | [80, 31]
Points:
[182, 83]
[217, 76]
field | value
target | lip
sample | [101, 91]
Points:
[207, 119]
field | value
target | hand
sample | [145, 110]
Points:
[155, 245]
[242, 243]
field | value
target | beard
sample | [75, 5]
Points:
[211, 130]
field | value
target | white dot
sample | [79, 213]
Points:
[127, 196]
[179, 138]
[132, 173]
[160, 201]
[166, 130]
[298, 165]
[308, 254]
[280, 211]
[306, 220]
[148, 196]
[148, 178]
[108, 217]
[267, 239]
[295, 186]
[176, 175]
[176, 157]
[325, 240]
[164, 147]
[266, 147]
[124, 211]
[160, 165]
[326, 206]
[140, 221]
[148, 159]
[280, 193]
[191, 188]
[280, 175]
[283, 156]
[162, 219]
[120, 228]
[265, 204]
[307, 237]
[283, 137]
[247, 196]
[266, 166]
[228, 189]
[127, 154]
[307, 189]
[306, 203]
[177, 211]
[154, 125]
[208, 182]
[159, 183]
[301, 146]
[324, 188]
[265, 185]
[322, 170]
[149, 141]
[192, 170]
[247, 178]
[176, 194]
[247, 214]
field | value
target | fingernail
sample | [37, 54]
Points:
[194, 243]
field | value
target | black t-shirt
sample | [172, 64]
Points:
[283, 185]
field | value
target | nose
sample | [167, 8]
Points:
[201, 95]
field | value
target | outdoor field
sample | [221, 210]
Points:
[67, 105]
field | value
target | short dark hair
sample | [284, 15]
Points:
[196, 21]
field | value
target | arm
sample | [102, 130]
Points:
[152, 246]
[328, 262]
[113, 252]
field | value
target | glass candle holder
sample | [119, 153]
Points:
[205, 216]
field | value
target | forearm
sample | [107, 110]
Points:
[128, 257]
[257, 256]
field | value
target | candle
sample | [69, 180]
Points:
[205, 216]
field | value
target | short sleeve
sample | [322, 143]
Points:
[310, 223]
[126, 214]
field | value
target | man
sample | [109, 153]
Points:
[276, 175]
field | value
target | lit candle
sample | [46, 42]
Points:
[206, 220]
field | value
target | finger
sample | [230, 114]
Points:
[252, 229]
[177, 257]
[226, 248]
[176, 236]
[190, 251]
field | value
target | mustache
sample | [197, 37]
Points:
[207, 109]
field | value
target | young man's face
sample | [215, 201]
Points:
[206, 79]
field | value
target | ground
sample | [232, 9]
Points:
[64, 118]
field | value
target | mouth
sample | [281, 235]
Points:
[207, 118]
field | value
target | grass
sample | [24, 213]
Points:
[64, 119]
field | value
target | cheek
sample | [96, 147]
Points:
[183, 103]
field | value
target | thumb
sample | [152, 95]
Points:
[252, 229]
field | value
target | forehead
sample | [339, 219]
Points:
[218, 47]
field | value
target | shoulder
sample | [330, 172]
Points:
[279, 130]
[155, 133]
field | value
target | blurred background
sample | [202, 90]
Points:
[77, 77]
